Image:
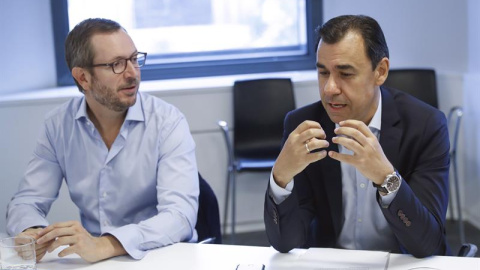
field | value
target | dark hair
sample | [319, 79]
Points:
[78, 49]
[335, 29]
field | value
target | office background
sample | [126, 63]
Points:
[439, 34]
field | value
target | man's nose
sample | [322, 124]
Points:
[331, 86]
[130, 70]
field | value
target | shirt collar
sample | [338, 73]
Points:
[376, 122]
[135, 113]
[82, 110]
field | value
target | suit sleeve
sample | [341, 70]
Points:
[287, 224]
[417, 213]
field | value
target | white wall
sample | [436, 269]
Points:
[427, 33]
[26, 45]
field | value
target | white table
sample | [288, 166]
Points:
[184, 256]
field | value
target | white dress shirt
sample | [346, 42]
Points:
[144, 190]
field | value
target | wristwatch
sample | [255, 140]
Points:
[390, 184]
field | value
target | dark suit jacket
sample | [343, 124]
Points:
[414, 138]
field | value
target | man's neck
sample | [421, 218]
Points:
[107, 122]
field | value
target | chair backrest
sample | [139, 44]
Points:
[420, 83]
[260, 107]
[208, 217]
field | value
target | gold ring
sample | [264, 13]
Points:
[306, 147]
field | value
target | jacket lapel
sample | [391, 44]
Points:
[390, 134]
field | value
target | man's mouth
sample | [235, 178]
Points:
[337, 105]
[128, 87]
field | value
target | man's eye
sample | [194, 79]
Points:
[116, 64]
[346, 74]
[323, 73]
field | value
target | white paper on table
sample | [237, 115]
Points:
[408, 262]
[343, 259]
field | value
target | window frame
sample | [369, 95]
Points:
[307, 61]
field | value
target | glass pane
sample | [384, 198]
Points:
[201, 30]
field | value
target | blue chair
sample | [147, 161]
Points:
[208, 217]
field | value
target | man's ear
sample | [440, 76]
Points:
[381, 71]
[83, 77]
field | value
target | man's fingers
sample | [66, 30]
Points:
[311, 134]
[44, 245]
[57, 232]
[57, 225]
[353, 134]
[349, 143]
[307, 130]
[307, 124]
[40, 256]
[314, 144]
[62, 241]
[341, 157]
[67, 251]
[357, 125]
[40, 250]
[313, 157]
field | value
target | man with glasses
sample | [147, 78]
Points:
[127, 158]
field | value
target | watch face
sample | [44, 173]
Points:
[393, 183]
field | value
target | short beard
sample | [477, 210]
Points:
[108, 98]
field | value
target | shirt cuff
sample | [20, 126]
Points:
[277, 193]
[130, 238]
[386, 200]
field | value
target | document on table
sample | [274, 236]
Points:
[402, 262]
[343, 259]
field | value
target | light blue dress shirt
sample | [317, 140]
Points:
[364, 226]
[144, 191]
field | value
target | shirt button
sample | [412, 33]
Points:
[104, 195]
[359, 220]
[362, 185]
[105, 223]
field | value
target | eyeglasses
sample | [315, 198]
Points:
[119, 66]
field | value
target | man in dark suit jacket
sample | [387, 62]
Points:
[360, 132]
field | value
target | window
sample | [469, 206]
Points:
[194, 38]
